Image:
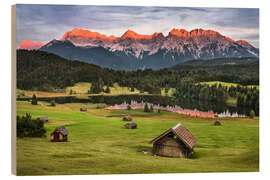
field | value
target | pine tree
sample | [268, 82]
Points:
[34, 100]
[151, 109]
[128, 107]
[166, 90]
[146, 109]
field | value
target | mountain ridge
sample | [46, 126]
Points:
[139, 51]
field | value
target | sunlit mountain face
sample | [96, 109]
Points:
[28, 44]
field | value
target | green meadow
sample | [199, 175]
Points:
[98, 143]
[84, 87]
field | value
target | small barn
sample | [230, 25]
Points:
[127, 118]
[44, 118]
[83, 109]
[175, 142]
[217, 123]
[132, 125]
[60, 134]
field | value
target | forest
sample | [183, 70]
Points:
[37, 70]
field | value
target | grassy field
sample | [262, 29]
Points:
[23, 93]
[80, 90]
[83, 88]
[170, 92]
[99, 144]
[231, 101]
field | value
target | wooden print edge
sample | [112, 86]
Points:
[13, 90]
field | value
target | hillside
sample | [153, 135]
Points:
[38, 70]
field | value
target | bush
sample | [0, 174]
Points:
[158, 110]
[34, 100]
[107, 90]
[252, 114]
[28, 127]
[52, 103]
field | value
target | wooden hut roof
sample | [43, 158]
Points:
[43, 118]
[62, 129]
[182, 133]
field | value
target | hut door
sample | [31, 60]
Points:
[56, 136]
[60, 137]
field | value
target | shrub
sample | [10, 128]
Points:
[52, 103]
[158, 110]
[107, 90]
[252, 114]
[28, 127]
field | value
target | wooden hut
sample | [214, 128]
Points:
[127, 118]
[83, 109]
[60, 134]
[217, 123]
[132, 125]
[44, 118]
[175, 142]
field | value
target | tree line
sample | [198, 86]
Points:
[37, 70]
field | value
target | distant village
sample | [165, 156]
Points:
[176, 109]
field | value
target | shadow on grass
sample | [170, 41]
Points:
[141, 148]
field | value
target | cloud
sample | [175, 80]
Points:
[47, 22]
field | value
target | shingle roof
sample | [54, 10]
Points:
[62, 129]
[182, 133]
[185, 135]
[43, 118]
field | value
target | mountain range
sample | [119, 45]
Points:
[133, 51]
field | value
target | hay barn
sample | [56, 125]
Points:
[60, 134]
[132, 125]
[175, 142]
[83, 109]
[127, 118]
[217, 123]
[44, 118]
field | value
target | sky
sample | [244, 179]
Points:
[46, 22]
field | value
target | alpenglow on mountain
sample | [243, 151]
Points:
[137, 51]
